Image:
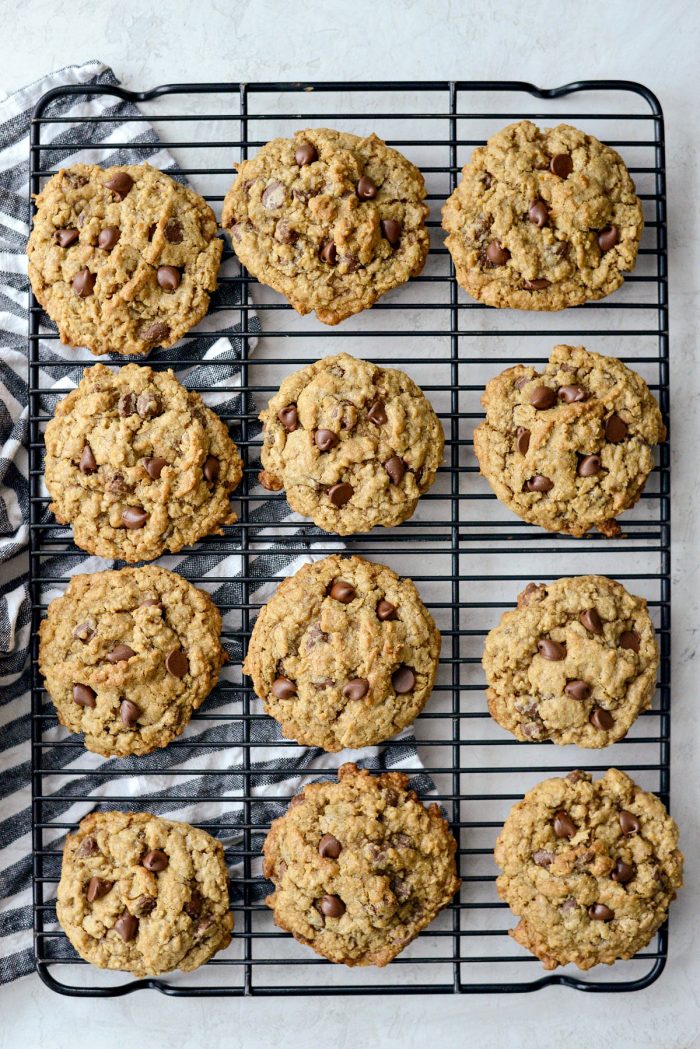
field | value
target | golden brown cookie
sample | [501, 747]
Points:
[123, 258]
[329, 219]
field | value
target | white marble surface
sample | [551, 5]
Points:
[324, 39]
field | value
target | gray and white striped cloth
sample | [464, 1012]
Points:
[219, 349]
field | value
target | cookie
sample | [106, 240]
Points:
[542, 220]
[123, 258]
[142, 894]
[359, 866]
[128, 656]
[589, 868]
[329, 219]
[570, 447]
[138, 465]
[353, 445]
[575, 663]
[344, 654]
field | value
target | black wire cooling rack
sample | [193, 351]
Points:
[468, 555]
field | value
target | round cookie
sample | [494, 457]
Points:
[359, 866]
[138, 465]
[122, 259]
[142, 894]
[542, 220]
[575, 662]
[570, 447]
[128, 656]
[329, 219]
[353, 445]
[589, 868]
[344, 654]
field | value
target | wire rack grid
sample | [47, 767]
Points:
[468, 555]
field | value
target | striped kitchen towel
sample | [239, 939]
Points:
[217, 352]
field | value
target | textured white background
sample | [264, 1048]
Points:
[657, 43]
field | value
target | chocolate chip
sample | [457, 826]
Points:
[156, 860]
[601, 719]
[538, 483]
[356, 689]
[608, 238]
[88, 463]
[563, 825]
[85, 631]
[129, 713]
[87, 847]
[630, 639]
[211, 469]
[155, 333]
[297, 799]
[306, 154]
[120, 653]
[108, 238]
[289, 417]
[117, 485]
[591, 620]
[126, 405]
[168, 277]
[496, 254]
[616, 429]
[85, 696]
[562, 165]
[538, 284]
[331, 906]
[151, 602]
[273, 196]
[542, 397]
[283, 233]
[377, 413]
[343, 592]
[127, 927]
[120, 183]
[403, 679]
[538, 213]
[193, 907]
[569, 904]
[391, 231]
[283, 688]
[329, 253]
[551, 650]
[589, 466]
[134, 517]
[97, 888]
[578, 689]
[147, 404]
[572, 394]
[598, 912]
[522, 440]
[366, 189]
[65, 237]
[177, 663]
[386, 611]
[325, 440]
[340, 494]
[543, 858]
[623, 872]
[144, 905]
[400, 888]
[173, 231]
[629, 824]
[83, 283]
[154, 467]
[396, 468]
[329, 847]
[522, 381]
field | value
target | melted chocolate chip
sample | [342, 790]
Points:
[366, 189]
[396, 468]
[155, 860]
[283, 688]
[551, 650]
[386, 611]
[331, 906]
[356, 689]
[134, 517]
[306, 154]
[177, 663]
[562, 165]
[325, 440]
[85, 696]
[591, 621]
[129, 713]
[289, 417]
[84, 283]
[120, 653]
[391, 231]
[88, 463]
[168, 277]
[343, 592]
[65, 237]
[329, 847]
[211, 469]
[563, 825]
[108, 238]
[403, 679]
[340, 494]
[127, 927]
[120, 183]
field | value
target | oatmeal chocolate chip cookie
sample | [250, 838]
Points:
[330, 220]
[142, 894]
[138, 465]
[541, 220]
[575, 662]
[344, 654]
[569, 448]
[352, 444]
[128, 656]
[589, 868]
[359, 866]
[122, 259]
